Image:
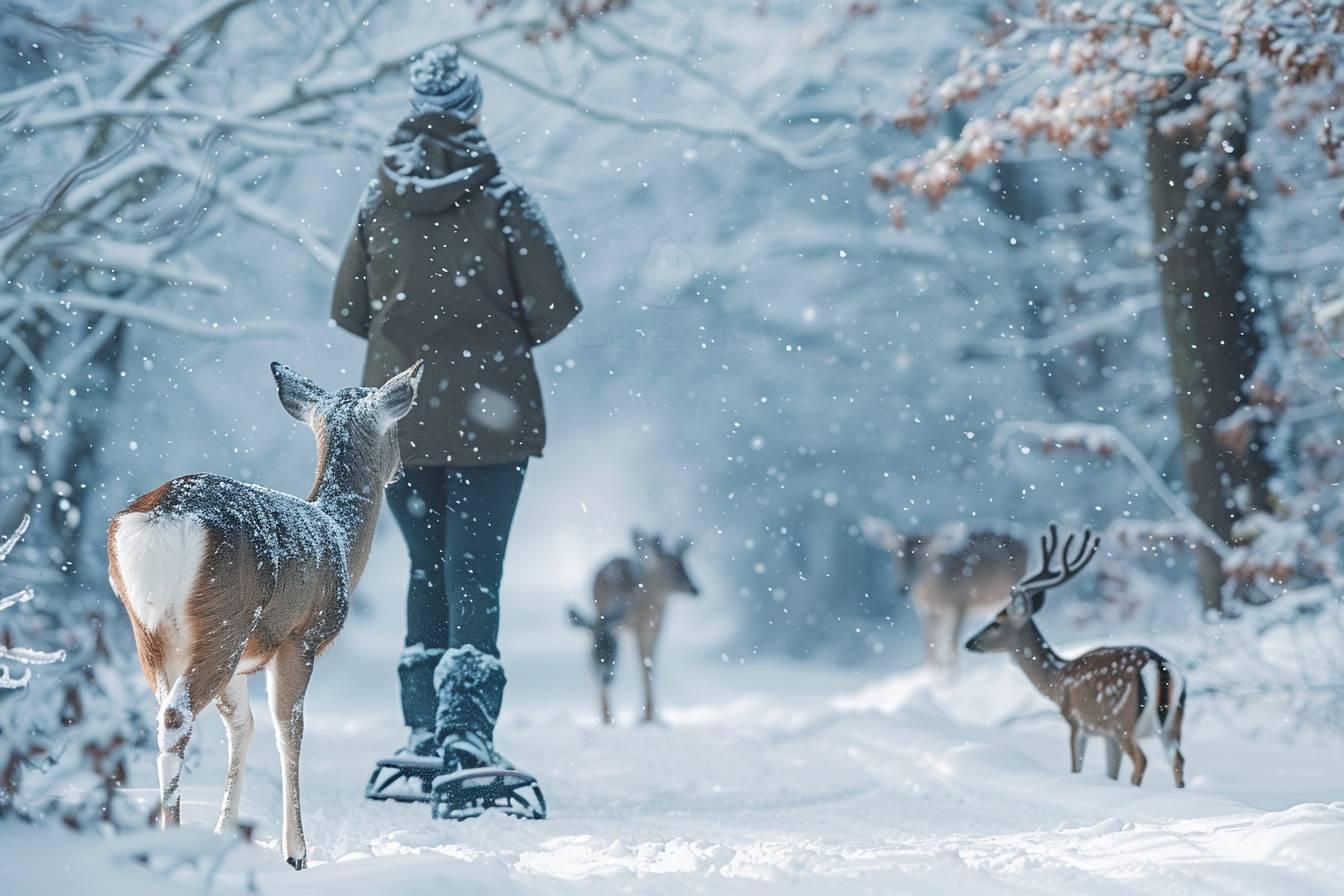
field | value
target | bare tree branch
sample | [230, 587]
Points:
[162, 318]
[1123, 312]
[1106, 440]
[747, 134]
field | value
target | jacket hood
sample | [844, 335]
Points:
[432, 160]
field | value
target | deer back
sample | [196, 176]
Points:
[1119, 691]
[633, 594]
[226, 570]
[618, 593]
[971, 571]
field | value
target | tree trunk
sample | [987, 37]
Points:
[1198, 232]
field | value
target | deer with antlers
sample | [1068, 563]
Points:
[1117, 693]
[631, 593]
[222, 579]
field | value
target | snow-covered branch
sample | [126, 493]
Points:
[25, 656]
[139, 260]
[160, 317]
[1122, 312]
[1094, 70]
[806, 155]
[1107, 441]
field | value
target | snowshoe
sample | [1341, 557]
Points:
[471, 792]
[407, 775]
[475, 779]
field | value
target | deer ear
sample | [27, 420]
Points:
[394, 398]
[1037, 601]
[577, 619]
[881, 533]
[1019, 606]
[683, 545]
[298, 394]
[637, 538]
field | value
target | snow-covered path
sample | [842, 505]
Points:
[763, 775]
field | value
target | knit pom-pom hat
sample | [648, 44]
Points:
[439, 83]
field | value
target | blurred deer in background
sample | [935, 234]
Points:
[222, 579]
[950, 573]
[1119, 693]
[631, 593]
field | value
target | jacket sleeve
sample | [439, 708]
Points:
[350, 307]
[541, 282]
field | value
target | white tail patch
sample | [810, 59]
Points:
[159, 557]
[1177, 695]
[1147, 725]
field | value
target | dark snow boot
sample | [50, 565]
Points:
[474, 777]
[406, 775]
[469, 686]
[419, 701]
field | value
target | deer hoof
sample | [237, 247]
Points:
[298, 864]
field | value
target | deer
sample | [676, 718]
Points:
[1117, 693]
[630, 594]
[951, 574]
[222, 579]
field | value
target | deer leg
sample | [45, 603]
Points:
[1171, 739]
[1131, 748]
[1177, 759]
[646, 645]
[646, 660]
[1077, 746]
[237, 713]
[940, 633]
[930, 622]
[287, 678]
[1112, 759]
[606, 667]
[175, 723]
[649, 712]
[952, 643]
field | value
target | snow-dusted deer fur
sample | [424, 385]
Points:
[222, 579]
[1118, 693]
[951, 573]
[631, 593]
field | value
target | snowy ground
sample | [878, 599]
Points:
[764, 775]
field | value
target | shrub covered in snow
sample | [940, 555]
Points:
[23, 656]
[66, 719]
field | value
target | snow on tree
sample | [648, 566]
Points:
[66, 736]
[33, 715]
[1074, 78]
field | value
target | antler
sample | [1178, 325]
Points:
[1072, 562]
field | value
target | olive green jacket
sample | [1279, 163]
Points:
[453, 263]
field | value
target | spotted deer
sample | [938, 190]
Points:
[222, 579]
[951, 573]
[630, 593]
[1117, 693]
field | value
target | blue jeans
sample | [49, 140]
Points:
[456, 523]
